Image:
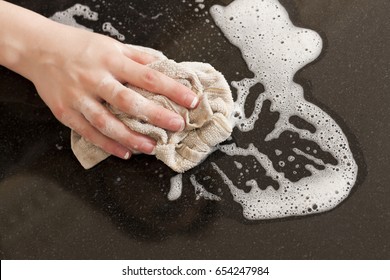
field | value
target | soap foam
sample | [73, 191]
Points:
[107, 27]
[200, 191]
[176, 187]
[274, 50]
[67, 16]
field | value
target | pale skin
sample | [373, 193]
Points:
[75, 71]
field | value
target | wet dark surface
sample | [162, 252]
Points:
[51, 208]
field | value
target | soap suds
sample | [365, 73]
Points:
[311, 163]
[176, 187]
[274, 50]
[67, 16]
[107, 27]
[238, 164]
[157, 16]
[201, 192]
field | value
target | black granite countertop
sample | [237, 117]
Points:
[51, 208]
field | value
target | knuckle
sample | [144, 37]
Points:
[86, 78]
[125, 101]
[59, 112]
[99, 121]
[133, 144]
[84, 130]
[112, 61]
[123, 98]
[140, 108]
[133, 141]
[151, 79]
[133, 54]
[87, 134]
[110, 89]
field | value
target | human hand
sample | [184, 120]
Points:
[75, 70]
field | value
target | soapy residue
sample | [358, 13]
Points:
[200, 191]
[324, 172]
[107, 27]
[176, 187]
[305, 160]
[68, 16]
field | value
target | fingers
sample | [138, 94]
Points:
[94, 122]
[144, 77]
[134, 104]
[78, 123]
[109, 126]
[138, 56]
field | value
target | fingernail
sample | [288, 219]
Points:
[127, 155]
[177, 124]
[148, 148]
[194, 102]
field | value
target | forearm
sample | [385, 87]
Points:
[74, 70]
[23, 35]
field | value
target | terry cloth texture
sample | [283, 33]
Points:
[206, 126]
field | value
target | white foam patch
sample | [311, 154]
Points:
[68, 16]
[238, 164]
[107, 27]
[157, 16]
[200, 191]
[176, 187]
[274, 50]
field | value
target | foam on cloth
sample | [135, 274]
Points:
[206, 126]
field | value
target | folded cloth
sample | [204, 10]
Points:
[206, 126]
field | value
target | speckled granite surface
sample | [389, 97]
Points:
[51, 208]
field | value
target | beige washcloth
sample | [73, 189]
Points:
[206, 126]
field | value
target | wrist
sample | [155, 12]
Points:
[23, 37]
